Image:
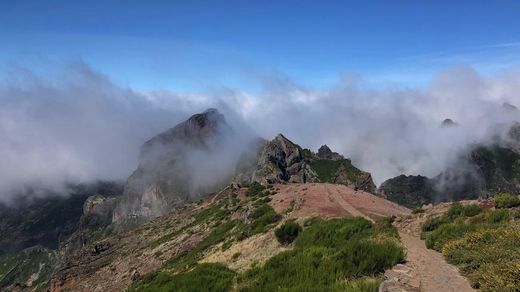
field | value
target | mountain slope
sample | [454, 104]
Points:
[485, 170]
[234, 226]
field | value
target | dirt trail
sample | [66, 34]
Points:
[425, 269]
[336, 197]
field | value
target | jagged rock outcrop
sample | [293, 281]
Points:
[324, 152]
[165, 175]
[280, 160]
[97, 212]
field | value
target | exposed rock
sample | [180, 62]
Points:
[281, 160]
[97, 212]
[325, 153]
[161, 180]
[49, 219]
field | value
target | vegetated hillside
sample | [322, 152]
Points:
[229, 240]
[33, 229]
[480, 237]
[484, 171]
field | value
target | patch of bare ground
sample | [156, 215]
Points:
[332, 200]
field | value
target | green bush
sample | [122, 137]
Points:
[458, 210]
[255, 189]
[506, 200]
[498, 216]
[262, 218]
[333, 232]
[446, 232]
[204, 277]
[288, 232]
[418, 210]
[471, 210]
[433, 223]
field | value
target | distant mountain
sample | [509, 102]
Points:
[485, 170]
[164, 177]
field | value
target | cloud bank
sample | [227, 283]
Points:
[80, 126]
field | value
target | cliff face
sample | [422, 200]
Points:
[164, 177]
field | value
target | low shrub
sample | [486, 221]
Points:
[446, 232]
[288, 232]
[458, 210]
[262, 218]
[204, 277]
[418, 210]
[433, 223]
[506, 200]
[498, 216]
[255, 189]
[333, 232]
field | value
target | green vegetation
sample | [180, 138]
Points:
[204, 277]
[332, 255]
[483, 244]
[187, 260]
[255, 189]
[328, 255]
[327, 169]
[288, 232]
[262, 218]
[418, 210]
[506, 160]
[22, 266]
[506, 200]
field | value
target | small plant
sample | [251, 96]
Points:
[506, 200]
[288, 232]
[236, 255]
[418, 210]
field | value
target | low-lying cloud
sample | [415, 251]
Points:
[82, 127]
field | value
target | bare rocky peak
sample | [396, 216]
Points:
[324, 152]
[162, 179]
[195, 131]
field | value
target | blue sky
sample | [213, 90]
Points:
[192, 45]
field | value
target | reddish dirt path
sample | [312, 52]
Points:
[332, 200]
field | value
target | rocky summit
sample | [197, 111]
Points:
[162, 180]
